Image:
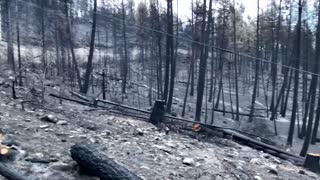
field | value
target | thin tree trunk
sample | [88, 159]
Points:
[10, 50]
[254, 94]
[18, 43]
[90, 57]
[173, 60]
[203, 58]
[212, 63]
[235, 59]
[296, 80]
[285, 105]
[71, 44]
[125, 62]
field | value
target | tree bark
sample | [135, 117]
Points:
[100, 165]
[296, 80]
[203, 58]
[256, 80]
[91, 51]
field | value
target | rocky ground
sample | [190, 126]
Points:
[43, 146]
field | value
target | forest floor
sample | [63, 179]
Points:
[43, 147]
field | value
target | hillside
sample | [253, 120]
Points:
[43, 147]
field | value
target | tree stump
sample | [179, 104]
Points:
[98, 164]
[158, 112]
[312, 162]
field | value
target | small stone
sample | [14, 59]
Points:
[256, 161]
[111, 118]
[92, 140]
[275, 160]
[60, 166]
[49, 118]
[266, 156]
[302, 172]
[62, 123]
[273, 169]
[138, 132]
[44, 126]
[27, 120]
[188, 161]
[257, 178]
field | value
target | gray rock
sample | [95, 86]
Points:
[256, 161]
[188, 161]
[257, 178]
[273, 169]
[138, 132]
[27, 120]
[45, 126]
[275, 160]
[62, 123]
[49, 118]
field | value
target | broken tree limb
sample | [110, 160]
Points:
[98, 164]
[10, 174]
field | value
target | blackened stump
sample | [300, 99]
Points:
[158, 112]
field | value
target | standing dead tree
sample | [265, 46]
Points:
[85, 87]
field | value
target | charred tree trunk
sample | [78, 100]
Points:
[10, 50]
[125, 62]
[90, 57]
[71, 46]
[173, 59]
[296, 80]
[18, 43]
[256, 80]
[98, 164]
[235, 61]
[203, 59]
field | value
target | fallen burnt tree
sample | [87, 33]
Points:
[236, 135]
[240, 114]
[98, 164]
[9, 173]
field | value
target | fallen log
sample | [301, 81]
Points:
[273, 150]
[123, 106]
[98, 164]
[10, 174]
[80, 96]
[241, 114]
[238, 137]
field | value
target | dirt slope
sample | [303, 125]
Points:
[44, 146]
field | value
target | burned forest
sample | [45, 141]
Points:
[159, 89]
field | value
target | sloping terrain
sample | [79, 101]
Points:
[43, 147]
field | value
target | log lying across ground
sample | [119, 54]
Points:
[98, 164]
[9, 173]
[236, 135]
